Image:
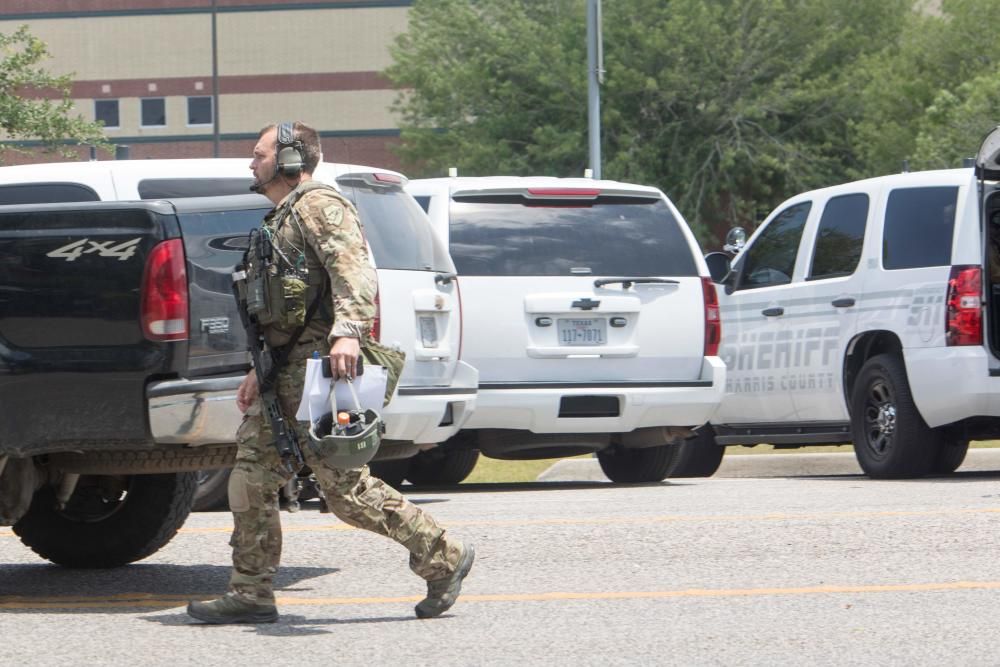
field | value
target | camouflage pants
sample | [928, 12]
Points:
[354, 496]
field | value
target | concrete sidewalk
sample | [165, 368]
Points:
[763, 465]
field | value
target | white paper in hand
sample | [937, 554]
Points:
[370, 387]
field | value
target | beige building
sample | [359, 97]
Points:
[152, 71]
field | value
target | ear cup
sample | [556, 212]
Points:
[289, 161]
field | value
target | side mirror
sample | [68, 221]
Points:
[718, 265]
[735, 240]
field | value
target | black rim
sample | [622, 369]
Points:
[880, 418]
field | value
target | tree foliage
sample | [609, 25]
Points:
[729, 106]
[35, 104]
[930, 96]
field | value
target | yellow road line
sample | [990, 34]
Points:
[162, 601]
[602, 521]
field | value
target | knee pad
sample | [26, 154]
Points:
[239, 492]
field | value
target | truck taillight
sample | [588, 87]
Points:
[713, 324]
[376, 331]
[164, 309]
[964, 324]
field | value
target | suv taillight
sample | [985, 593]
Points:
[964, 324]
[376, 331]
[713, 325]
[164, 309]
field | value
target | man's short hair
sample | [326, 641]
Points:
[312, 150]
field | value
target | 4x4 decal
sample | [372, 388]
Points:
[71, 251]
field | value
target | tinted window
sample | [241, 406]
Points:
[508, 235]
[154, 112]
[106, 112]
[397, 229]
[839, 238]
[45, 193]
[918, 227]
[424, 201]
[771, 258]
[167, 188]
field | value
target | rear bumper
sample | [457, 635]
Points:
[951, 384]
[416, 413]
[194, 412]
[535, 407]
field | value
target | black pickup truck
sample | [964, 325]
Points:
[120, 352]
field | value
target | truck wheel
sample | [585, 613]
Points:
[950, 456]
[391, 471]
[891, 439]
[212, 492]
[442, 466]
[108, 521]
[697, 456]
[630, 466]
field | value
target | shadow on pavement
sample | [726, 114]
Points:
[288, 625]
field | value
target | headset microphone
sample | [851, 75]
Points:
[288, 161]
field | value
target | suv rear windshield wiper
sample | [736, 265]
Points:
[628, 282]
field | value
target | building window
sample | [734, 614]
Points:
[106, 113]
[200, 110]
[154, 112]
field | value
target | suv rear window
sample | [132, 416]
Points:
[45, 193]
[508, 235]
[171, 188]
[918, 227]
[398, 231]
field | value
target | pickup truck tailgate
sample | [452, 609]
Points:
[73, 356]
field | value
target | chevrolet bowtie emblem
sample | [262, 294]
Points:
[585, 304]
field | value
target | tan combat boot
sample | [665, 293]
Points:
[232, 609]
[442, 593]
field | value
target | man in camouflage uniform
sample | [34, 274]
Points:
[318, 237]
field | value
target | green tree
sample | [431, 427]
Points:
[729, 106]
[930, 96]
[35, 104]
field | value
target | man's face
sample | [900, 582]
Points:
[265, 159]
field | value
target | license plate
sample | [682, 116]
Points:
[583, 331]
[428, 331]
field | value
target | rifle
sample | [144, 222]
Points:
[266, 361]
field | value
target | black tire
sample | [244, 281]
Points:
[212, 493]
[891, 439]
[108, 522]
[632, 466]
[441, 466]
[950, 456]
[391, 471]
[697, 456]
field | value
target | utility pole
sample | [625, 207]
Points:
[215, 85]
[595, 68]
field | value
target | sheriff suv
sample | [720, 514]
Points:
[590, 315]
[868, 313]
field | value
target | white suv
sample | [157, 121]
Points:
[419, 309]
[587, 310]
[862, 312]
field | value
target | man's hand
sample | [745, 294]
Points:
[344, 357]
[248, 392]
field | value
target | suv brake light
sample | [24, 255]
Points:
[713, 323]
[164, 309]
[573, 193]
[964, 316]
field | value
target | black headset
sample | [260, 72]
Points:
[290, 162]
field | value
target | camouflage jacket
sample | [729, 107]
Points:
[318, 238]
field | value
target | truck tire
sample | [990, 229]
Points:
[950, 456]
[632, 466]
[891, 439]
[212, 492]
[697, 456]
[108, 522]
[441, 466]
[145, 461]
